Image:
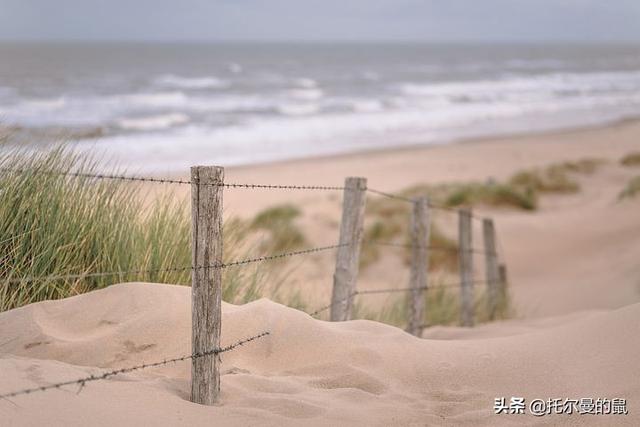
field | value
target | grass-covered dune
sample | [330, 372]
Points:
[57, 225]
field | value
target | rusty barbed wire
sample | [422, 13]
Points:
[327, 307]
[98, 176]
[390, 195]
[392, 290]
[176, 269]
[430, 247]
[82, 381]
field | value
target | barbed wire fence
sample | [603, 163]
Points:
[207, 185]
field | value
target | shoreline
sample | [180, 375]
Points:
[507, 137]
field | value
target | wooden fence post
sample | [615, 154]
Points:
[466, 267]
[503, 279]
[206, 283]
[491, 266]
[420, 230]
[348, 257]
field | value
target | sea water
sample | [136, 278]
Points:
[164, 107]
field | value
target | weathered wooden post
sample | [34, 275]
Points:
[420, 230]
[502, 274]
[206, 282]
[503, 279]
[347, 259]
[466, 267]
[491, 266]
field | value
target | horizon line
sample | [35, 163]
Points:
[323, 41]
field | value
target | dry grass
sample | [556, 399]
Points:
[54, 225]
[388, 221]
[631, 159]
[492, 194]
[520, 191]
[279, 224]
[631, 190]
[442, 307]
[555, 178]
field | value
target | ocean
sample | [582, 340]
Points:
[164, 107]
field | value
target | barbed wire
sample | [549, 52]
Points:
[431, 204]
[327, 307]
[390, 195]
[176, 269]
[98, 176]
[391, 290]
[285, 187]
[82, 381]
[430, 247]
[408, 246]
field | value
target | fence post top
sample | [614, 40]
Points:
[207, 174]
[465, 210]
[422, 200]
[488, 222]
[355, 183]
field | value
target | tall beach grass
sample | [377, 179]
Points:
[57, 225]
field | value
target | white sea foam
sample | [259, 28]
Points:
[306, 82]
[209, 82]
[158, 122]
[298, 109]
[308, 135]
[45, 103]
[306, 94]
[367, 106]
[234, 67]
[534, 87]
[265, 111]
[150, 99]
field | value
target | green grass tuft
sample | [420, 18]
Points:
[279, 223]
[492, 194]
[55, 225]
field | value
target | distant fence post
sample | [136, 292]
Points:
[348, 257]
[503, 279]
[206, 283]
[420, 229]
[491, 266]
[466, 267]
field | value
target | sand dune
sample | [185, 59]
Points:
[574, 279]
[307, 371]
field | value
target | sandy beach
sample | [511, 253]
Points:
[574, 275]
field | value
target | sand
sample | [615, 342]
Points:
[307, 371]
[575, 281]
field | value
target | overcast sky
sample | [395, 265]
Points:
[303, 20]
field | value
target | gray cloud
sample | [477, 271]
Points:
[424, 20]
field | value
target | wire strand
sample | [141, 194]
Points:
[391, 290]
[82, 381]
[176, 269]
[99, 176]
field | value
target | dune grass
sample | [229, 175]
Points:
[442, 307]
[55, 225]
[631, 159]
[521, 191]
[279, 224]
[389, 220]
[632, 189]
[492, 194]
[52, 225]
